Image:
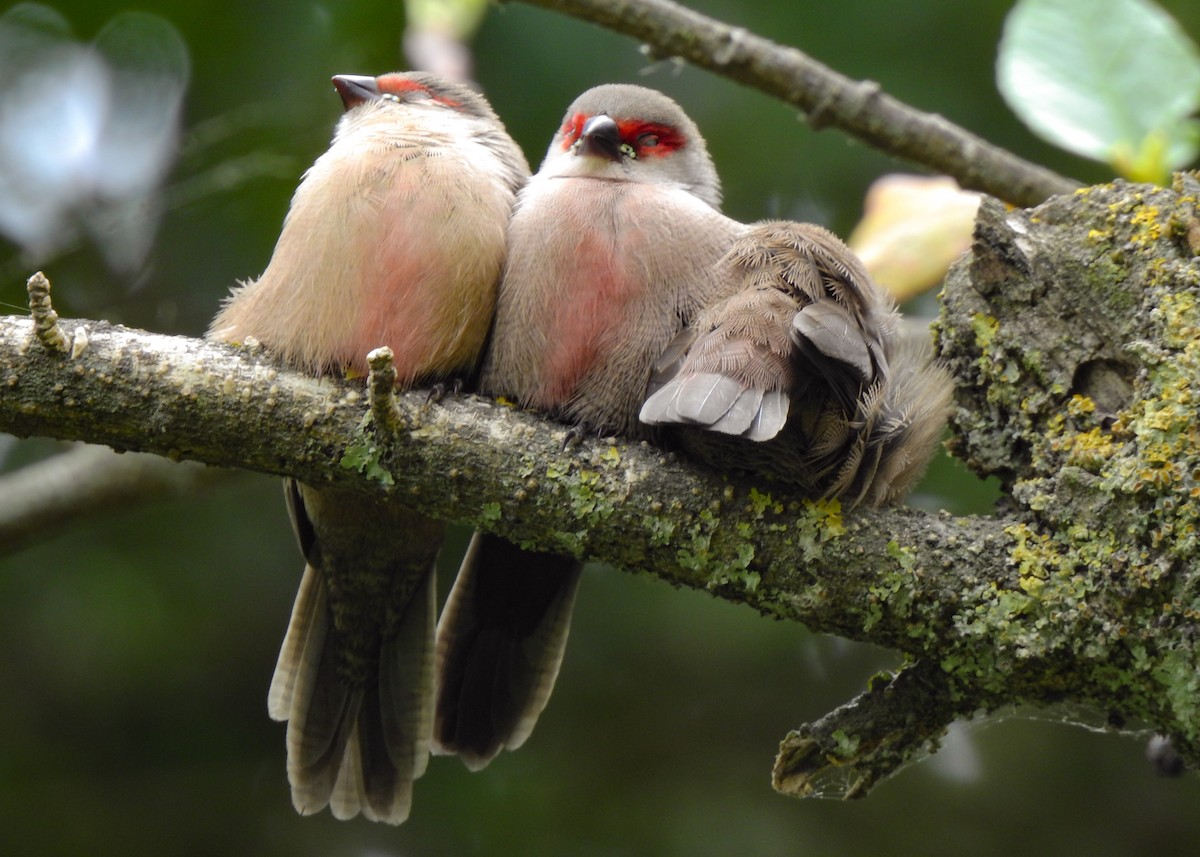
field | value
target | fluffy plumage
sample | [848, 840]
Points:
[396, 237]
[800, 374]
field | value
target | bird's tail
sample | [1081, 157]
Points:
[500, 644]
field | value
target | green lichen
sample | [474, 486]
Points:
[529, 465]
[985, 328]
[1158, 464]
[894, 591]
[588, 500]
[845, 745]
[694, 551]
[661, 531]
[761, 501]
[1097, 278]
[820, 522]
[727, 555]
[589, 497]
[904, 556]
[363, 454]
[585, 493]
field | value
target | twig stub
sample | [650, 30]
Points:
[45, 319]
[381, 389]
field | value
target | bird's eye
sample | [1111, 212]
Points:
[648, 141]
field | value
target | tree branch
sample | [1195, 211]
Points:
[860, 108]
[869, 738]
[1073, 332]
[473, 460]
[1061, 599]
[897, 577]
[40, 499]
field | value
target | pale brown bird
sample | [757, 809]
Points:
[801, 374]
[612, 248]
[394, 237]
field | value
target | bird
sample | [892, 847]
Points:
[630, 305]
[394, 237]
[612, 248]
[801, 374]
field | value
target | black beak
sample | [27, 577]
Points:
[601, 137]
[355, 89]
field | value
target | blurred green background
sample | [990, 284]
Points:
[135, 650]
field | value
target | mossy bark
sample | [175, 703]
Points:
[1073, 330]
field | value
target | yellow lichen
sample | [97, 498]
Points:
[1080, 406]
[1033, 555]
[1090, 450]
[1146, 218]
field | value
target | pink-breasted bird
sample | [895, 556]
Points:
[801, 374]
[624, 282]
[396, 237]
[613, 247]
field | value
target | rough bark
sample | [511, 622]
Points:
[1072, 330]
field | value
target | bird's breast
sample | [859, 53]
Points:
[399, 247]
[598, 277]
[586, 317]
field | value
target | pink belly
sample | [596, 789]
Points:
[431, 308]
[588, 320]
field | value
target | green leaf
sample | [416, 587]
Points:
[1116, 81]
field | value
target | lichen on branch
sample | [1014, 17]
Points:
[1074, 331]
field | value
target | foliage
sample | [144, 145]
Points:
[1117, 81]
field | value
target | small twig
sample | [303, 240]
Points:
[859, 108]
[45, 319]
[381, 388]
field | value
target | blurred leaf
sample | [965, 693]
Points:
[87, 132]
[1116, 81]
[913, 227]
[27, 30]
[457, 18]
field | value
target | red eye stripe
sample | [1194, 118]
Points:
[665, 138]
[398, 85]
[571, 129]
